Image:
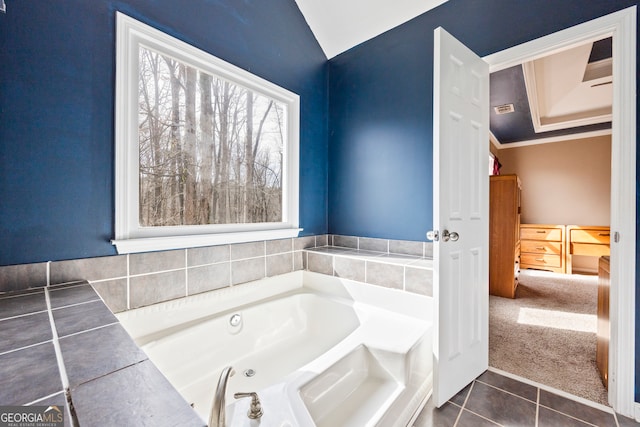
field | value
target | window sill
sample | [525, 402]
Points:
[150, 244]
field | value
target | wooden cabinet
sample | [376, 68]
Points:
[543, 247]
[587, 240]
[504, 235]
[602, 346]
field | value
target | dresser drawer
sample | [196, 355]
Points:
[542, 260]
[541, 247]
[590, 236]
[552, 234]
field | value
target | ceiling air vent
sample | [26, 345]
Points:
[504, 109]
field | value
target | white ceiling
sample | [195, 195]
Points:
[565, 90]
[340, 25]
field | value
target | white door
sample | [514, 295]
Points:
[461, 216]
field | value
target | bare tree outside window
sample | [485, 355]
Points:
[210, 151]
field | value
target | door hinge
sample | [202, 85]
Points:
[616, 236]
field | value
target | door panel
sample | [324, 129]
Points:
[461, 205]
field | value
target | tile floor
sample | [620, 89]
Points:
[495, 400]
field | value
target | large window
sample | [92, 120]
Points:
[206, 153]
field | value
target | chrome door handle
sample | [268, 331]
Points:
[433, 235]
[453, 236]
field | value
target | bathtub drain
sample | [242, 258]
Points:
[249, 373]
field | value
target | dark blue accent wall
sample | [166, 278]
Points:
[57, 73]
[380, 104]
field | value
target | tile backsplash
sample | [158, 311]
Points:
[130, 281]
[135, 280]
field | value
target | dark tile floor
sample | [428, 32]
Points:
[495, 400]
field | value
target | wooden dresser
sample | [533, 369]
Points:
[542, 247]
[504, 235]
[589, 240]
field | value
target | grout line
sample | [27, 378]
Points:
[117, 322]
[186, 272]
[24, 348]
[48, 269]
[77, 303]
[128, 285]
[22, 315]
[569, 416]
[56, 345]
[45, 397]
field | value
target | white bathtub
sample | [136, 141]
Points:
[323, 351]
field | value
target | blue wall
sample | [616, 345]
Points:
[57, 73]
[380, 123]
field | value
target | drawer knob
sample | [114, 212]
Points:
[540, 259]
[540, 248]
[540, 231]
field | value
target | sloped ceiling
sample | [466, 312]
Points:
[340, 25]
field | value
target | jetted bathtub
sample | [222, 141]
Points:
[318, 350]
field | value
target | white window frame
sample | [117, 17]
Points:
[130, 237]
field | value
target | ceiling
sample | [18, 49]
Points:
[339, 25]
[566, 95]
[561, 96]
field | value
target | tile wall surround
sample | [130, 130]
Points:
[130, 281]
[397, 264]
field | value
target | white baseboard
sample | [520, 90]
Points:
[636, 407]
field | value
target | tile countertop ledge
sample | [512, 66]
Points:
[61, 345]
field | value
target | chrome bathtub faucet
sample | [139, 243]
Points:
[217, 416]
[255, 410]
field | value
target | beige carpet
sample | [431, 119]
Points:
[548, 333]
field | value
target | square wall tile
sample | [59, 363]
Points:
[345, 241]
[322, 240]
[25, 276]
[349, 268]
[99, 268]
[387, 275]
[113, 293]
[418, 280]
[428, 249]
[247, 270]
[138, 395]
[247, 250]
[406, 247]
[29, 374]
[153, 288]
[208, 255]
[151, 262]
[320, 263]
[306, 242]
[26, 330]
[92, 354]
[279, 246]
[298, 260]
[369, 244]
[208, 277]
[279, 264]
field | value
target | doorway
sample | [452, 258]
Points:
[621, 26]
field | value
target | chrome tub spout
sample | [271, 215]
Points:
[217, 417]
